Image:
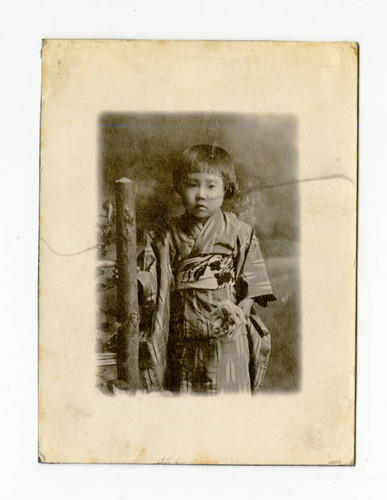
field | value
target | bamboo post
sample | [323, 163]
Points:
[127, 301]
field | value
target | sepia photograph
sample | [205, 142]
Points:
[199, 244]
[198, 210]
[193, 249]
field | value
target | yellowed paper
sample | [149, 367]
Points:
[305, 91]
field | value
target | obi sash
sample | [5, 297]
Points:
[209, 272]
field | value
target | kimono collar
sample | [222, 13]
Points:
[194, 237]
[192, 225]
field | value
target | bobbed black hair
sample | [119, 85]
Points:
[206, 158]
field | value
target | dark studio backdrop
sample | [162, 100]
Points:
[144, 148]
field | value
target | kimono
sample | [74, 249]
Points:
[188, 269]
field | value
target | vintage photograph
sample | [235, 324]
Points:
[197, 259]
[199, 286]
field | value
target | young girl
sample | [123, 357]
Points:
[202, 275]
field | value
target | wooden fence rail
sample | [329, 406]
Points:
[127, 301]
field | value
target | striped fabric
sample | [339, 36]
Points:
[177, 352]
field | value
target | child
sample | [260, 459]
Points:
[203, 273]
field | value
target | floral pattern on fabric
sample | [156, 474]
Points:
[196, 269]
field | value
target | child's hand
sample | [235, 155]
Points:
[246, 305]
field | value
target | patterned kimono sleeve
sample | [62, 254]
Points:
[147, 273]
[252, 278]
[253, 281]
[147, 294]
[154, 278]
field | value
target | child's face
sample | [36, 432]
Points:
[202, 194]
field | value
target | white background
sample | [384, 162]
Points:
[22, 26]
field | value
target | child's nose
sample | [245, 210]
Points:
[201, 193]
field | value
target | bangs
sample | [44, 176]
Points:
[205, 168]
[208, 159]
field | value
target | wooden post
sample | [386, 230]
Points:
[127, 301]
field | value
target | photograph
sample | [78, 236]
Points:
[213, 244]
[197, 259]
[193, 249]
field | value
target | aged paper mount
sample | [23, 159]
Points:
[303, 95]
